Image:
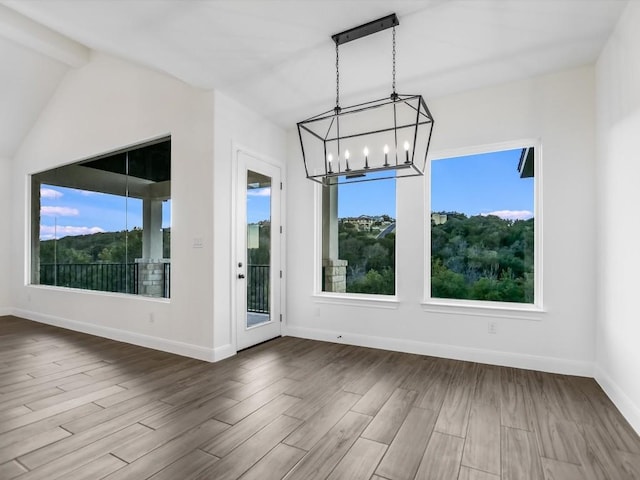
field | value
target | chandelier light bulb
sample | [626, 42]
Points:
[386, 155]
[406, 152]
[329, 160]
[386, 149]
[346, 154]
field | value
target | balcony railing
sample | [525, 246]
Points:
[258, 282]
[123, 278]
[104, 277]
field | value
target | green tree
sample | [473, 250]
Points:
[370, 260]
[262, 254]
[382, 283]
[493, 257]
[446, 283]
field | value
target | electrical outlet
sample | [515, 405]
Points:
[492, 328]
[151, 318]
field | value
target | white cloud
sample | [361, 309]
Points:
[88, 193]
[50, 193]
[259, 192]
[48, 232]
[510, 214]
[49, 211]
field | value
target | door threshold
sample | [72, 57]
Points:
[258, 344]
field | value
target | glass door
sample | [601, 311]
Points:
[258, 264]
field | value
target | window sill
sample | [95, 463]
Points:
[100, 293]
[358, 300]
[484, 309]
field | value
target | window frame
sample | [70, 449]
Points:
[378, 300]
[525, 311]
[32, 203]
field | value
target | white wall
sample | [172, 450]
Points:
[105, 105]
[235, 127]
[558, 109]
[5, 237]
[618, 108]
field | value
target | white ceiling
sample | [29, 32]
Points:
[276, 56]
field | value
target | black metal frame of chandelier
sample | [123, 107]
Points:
[324, 178]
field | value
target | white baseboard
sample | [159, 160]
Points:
[533, 362]
[156, 343]
[225, 351]
[493, 357]
[627, 407]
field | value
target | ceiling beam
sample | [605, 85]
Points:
[24, 31]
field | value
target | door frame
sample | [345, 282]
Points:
[236, 253]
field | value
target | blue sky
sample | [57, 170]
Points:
[258, 204]
[368, 198]
[476, 184]
[487, 183]
[67, 211]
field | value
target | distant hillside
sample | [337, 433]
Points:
[108, 247]
[482, 258]
[476, 258]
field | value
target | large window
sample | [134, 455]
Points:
[358, 237]
[105, 223]
[482, 227]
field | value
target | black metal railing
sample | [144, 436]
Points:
[258, 282]
[104, 277]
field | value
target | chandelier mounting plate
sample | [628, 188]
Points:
[368, 28]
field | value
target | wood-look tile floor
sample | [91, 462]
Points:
[74, 406]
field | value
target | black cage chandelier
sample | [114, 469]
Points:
[385, 138]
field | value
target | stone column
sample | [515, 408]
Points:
[151, 267]
[151, 276]
[335, 270]
[151, 228]
[335, 275]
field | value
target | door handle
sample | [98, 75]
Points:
[241, 275]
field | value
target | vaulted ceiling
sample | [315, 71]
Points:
[277, 57]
